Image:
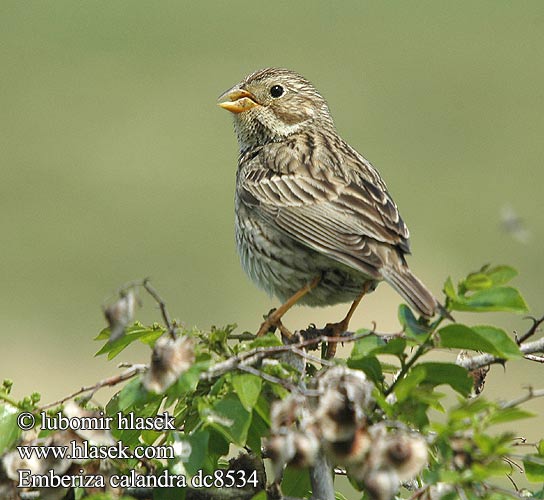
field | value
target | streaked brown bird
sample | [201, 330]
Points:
[314, 221]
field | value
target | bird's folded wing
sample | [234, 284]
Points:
[347, 220]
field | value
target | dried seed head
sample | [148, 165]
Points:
[285, 412]
[94, 425]
[407, 455]
[12, 462]
[169, 360]
[353, 383]
[346, 395]
[352, 452]
[306, 448]
[280, 448]
[336, 416]
[120, 314]
[381, 484]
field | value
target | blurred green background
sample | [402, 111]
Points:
[117, 164]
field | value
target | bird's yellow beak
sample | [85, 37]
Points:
[237, 100]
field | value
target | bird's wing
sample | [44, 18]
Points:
[344, 216]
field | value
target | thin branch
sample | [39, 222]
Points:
[532, 357]
[108, 382]
[270, 378]
[255, 355]
[532, 330]
[531, 394]
[241, 336]
[311, 357]
[321, 478]
[162, 305]
[8, 399]
[421, 350]
[481, 360]
[419, 493]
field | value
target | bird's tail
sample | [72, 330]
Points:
[412, 290]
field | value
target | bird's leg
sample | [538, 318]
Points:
[337, 329]
[285, 333]
[275, 317]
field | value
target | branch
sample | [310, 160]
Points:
[259, 353]
[162, 305]
[531, 394]
[532, 330]
[322, 479]
[108, 382]
[481, 360]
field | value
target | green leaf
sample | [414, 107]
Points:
[365, 345]
[411, 326]
[405, 387]
[260, 496]
[9, 430]
[374, 344]
[370, 366]
[188, 381]
[104, 334]
[534, 468]
[199, 449]
[501, 298]
[257, 430]
[508, 415]
[218, 446]
[263, 409]
[247, 387]
[476, 281]
[487, 277]
[448, 373]
[132, 333]
[395, 346]
[296, 482]
[469, 408]
[229, 417]
[500, 275]
[434, 374]
[268, 340]
[130, 395]
[540, 448]
[479, 338]
[500, 339]
[449, 289]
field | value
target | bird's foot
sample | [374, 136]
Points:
[269, 324]
[334, 330]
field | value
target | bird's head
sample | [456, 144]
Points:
[271, 104]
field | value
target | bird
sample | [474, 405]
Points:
[314, 222]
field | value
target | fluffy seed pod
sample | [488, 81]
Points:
[381, 484]
[12, 462]
[120, 314]
[346, 395]
[306, 448]
[169, 360]
[286, 412]
[280, 448]
[406, 455]
[97, 431]
[351, 452]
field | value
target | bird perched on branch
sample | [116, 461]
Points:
[314, 221]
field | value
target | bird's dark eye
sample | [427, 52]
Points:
[276, 91]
